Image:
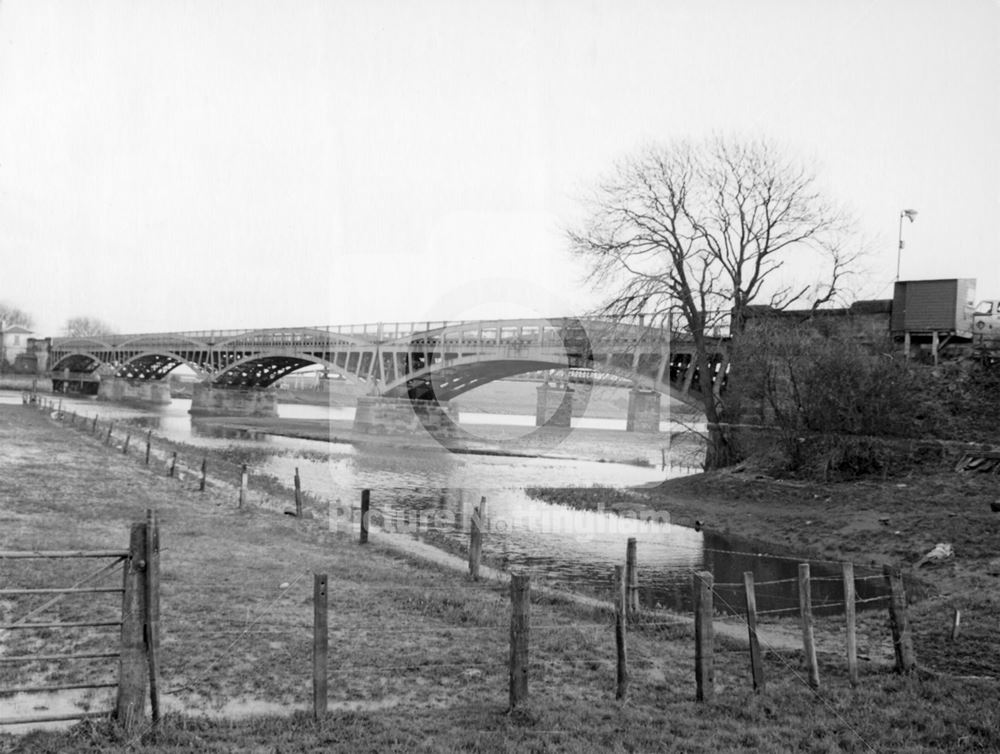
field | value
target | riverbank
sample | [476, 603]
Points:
[418, 652]
[894, 522]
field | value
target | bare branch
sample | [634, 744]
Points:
[706, 230]
[82, 327]
[11, 316]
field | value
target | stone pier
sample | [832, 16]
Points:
[554, 407]
[378, 415]
[156, 392]
[643, 411]
[213, 400]
[84, 385]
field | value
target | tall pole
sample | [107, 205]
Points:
[909, 214]
[899, 247]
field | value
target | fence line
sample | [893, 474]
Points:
[258, 621]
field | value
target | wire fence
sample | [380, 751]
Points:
[412, 639]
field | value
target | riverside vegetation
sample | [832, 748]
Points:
[418, 652]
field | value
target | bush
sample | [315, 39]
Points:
[833, 399]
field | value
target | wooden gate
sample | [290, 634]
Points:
[135, 648]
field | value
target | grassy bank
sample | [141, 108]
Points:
[418, 652]
[869, 522]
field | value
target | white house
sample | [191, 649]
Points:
[13, 344]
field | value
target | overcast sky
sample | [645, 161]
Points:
[207, 165]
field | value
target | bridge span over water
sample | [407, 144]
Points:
[396, 364]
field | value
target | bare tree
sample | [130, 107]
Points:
[702, 231]
[11, 316]
[83, 327]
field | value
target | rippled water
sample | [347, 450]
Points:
[429, 493]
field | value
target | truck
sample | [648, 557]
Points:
[943, 315]
[986, 320]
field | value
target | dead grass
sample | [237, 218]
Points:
[418, 652]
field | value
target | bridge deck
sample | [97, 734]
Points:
[400, 358]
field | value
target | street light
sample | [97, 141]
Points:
[909, 214]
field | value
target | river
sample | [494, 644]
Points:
[429, 493]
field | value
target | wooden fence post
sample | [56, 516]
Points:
[111, 426]
[130, 706]
[902, 639]
[173, 463]
[153, 610]
[956, 624]
[849, 617]
[204, 470]
[365, 507]
[621, 687]
[149, 438]
[128, 439]
[808, 640]
[632, 578]
[476, 539]
[756, 662]
[298, 494]
[520, 627]
[93, 427]
[704, 664]
[320, 641]
[243, 484]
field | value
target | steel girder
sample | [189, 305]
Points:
[406, 359]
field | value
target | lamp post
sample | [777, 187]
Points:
[909, 214]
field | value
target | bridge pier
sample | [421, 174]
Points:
[213, 400]
[643, 411]
[156, 392]
[379, 415]
[554, 407]
[71, 385]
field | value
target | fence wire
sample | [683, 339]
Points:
[212, 654]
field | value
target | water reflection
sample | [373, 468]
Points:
[776, 578]
[429, 493]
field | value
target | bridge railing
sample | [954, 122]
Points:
[387, 330]
[536, 330]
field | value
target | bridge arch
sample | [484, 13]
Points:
[155, 365]
[85, 363]
[445, 381]
[263, 370]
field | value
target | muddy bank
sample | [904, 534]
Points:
[418, 652]
[874, 523]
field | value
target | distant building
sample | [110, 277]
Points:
[36, 359]
[13, 344]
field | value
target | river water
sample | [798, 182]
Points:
[429, 493]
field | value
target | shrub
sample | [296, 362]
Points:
[834, 400]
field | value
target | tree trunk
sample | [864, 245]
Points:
[721, 451]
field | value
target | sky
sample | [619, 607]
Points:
[209, 165]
